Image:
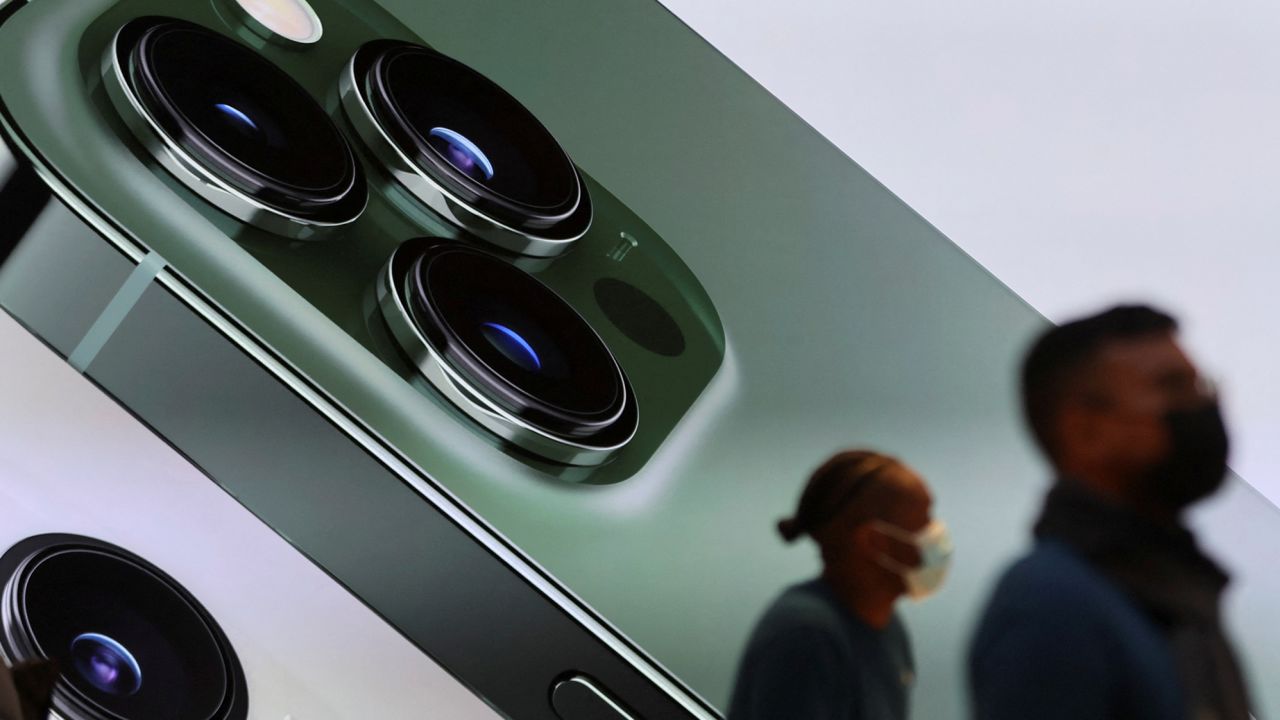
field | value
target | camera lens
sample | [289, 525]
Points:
[471, 139]
[105, 664]
[242, 119]
[512, 341]
[132, 643]
[528, 349]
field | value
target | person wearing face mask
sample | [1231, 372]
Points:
[1115, 612]
[832, 648]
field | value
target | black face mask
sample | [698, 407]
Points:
[1197, 461]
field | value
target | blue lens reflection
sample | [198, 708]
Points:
[462, 153]
[105, 664]
[237, 116]
[514, 347]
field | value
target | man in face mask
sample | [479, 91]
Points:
[833, 648]
[1115, 612]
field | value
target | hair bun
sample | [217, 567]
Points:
[789, 529]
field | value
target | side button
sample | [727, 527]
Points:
[581, 698]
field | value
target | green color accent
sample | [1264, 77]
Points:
[848, 321]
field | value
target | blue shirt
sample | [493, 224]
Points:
[1059, 641]
[809, 658]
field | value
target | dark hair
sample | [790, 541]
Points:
[831, 487]
[1055, 362]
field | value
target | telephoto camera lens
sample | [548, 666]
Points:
[473, 141]
[131, 643]
[242, 119]
[512, 341]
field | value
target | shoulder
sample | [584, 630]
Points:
[1060, 639]
[1053, 576]
[803, 609]
[1053, 598]
[792, 656]
[803, 619]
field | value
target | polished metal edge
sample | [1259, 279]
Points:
[341, 417]
[422, 188]
[595, 690]
[192, 174]
[470, 401]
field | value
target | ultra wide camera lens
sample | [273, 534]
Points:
[131, 642]
[510, 340]
[241, 119]
[470, 139]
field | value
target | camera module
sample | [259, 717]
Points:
[132, 644]
[508, 351]
[463, 146]
[234, 127]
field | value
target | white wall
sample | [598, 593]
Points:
[1083, 152]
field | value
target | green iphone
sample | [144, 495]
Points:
[524, 322]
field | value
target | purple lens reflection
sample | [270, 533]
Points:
[461, 153]
[105, 664]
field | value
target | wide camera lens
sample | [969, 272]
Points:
[510, 340]
[472, 140]
[131, 642]
[241, 119]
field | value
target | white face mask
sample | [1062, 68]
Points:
[934, 545]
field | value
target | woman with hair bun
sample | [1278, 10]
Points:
[833, 647]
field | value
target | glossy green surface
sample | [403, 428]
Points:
[848, 321]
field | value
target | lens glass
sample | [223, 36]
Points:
[522, 334]
[514, 347]
[241, 122]
[105, 664]
[453, 116]
[128, 640]
[461, 153]
[241, 116]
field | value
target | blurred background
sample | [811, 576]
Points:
[1084, 153]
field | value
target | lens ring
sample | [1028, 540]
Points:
[132, 643]
[238, 119]
[511, 341]
[570, 385]
[469, 139]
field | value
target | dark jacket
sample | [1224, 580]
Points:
[1112, 615]
[1061, 642]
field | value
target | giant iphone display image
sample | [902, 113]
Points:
[524, 323]
[157, 595]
